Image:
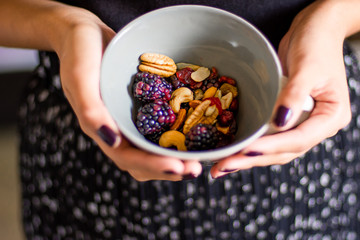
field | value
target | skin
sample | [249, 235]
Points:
[311, 55]
[79, 38]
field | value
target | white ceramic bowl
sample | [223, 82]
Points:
[204, 36]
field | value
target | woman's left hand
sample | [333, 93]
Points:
[312, 58]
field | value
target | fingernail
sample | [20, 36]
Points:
[108, 136]
[189, 176]
[227, 170]
[217, 177]
[282, 116]
[253, 154]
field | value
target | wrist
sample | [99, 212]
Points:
[38, 24]
[71, 22]
[345, 16]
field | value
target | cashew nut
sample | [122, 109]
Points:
[173, 138]
[180, 95]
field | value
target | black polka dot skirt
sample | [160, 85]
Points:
[71, 190]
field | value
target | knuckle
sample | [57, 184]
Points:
[344, 117]
[87, 120]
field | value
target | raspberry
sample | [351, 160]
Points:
[148, 87]
[202, 137]
[154, 117]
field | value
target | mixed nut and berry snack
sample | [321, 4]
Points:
[184, 106]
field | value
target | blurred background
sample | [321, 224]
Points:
[16, 66]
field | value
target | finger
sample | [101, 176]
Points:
[297, 140]
[192, 169]
[242, 162]
[280, 148]
[80, 74]
[145, 166]
[143, 176]
[290, 102]
[282, 52]
[129, 158]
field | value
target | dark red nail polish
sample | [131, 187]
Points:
[107, 135]
[189, 176]
[282, 116]
[169, 172]
[228, 170]
[253, 154]
[218, 177]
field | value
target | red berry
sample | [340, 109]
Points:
[226, 118]
[184, 75]
[228, 80]
[214, 73]
[234, 105]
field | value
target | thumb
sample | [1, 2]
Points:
[80, 82]
[293, 105]
[93, 116]
[80, 77]
[106, 129]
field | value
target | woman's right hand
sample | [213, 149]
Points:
[80, 39]
[80, 59]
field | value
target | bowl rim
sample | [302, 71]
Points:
[207, 155]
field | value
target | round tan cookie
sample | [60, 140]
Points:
[170, 68]
[157, 58]
[164, 73]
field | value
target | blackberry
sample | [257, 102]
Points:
[148, 87]
[202, 137]
[154, 117]
[155, 137]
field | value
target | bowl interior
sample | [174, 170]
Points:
[204, 36]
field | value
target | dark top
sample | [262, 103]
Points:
[273, 18]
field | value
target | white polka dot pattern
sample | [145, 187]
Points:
[72, 191]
